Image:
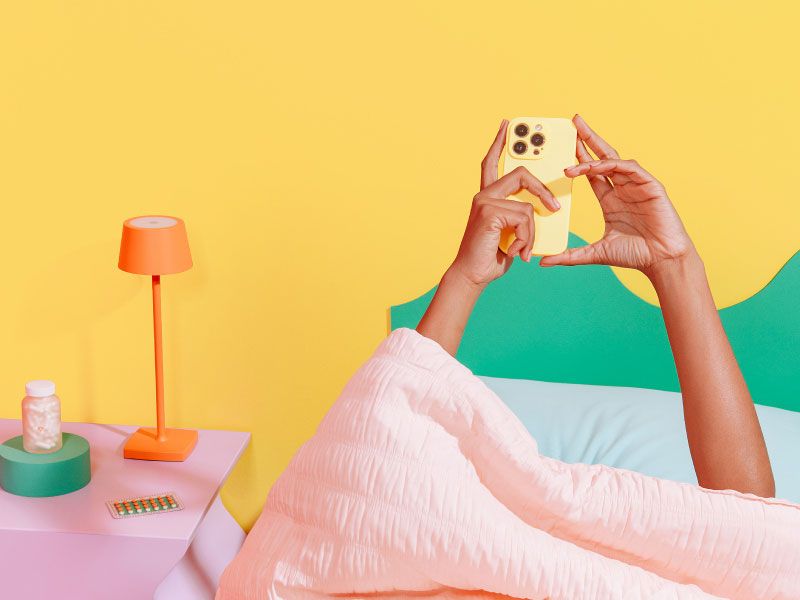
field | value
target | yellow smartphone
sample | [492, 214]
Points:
[544, 146]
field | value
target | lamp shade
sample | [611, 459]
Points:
[154, 245]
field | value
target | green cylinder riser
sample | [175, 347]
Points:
[27, 474]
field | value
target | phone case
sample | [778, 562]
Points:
[544, 146]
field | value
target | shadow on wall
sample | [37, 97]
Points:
[70, 295]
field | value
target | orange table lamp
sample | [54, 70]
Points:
[157, 245]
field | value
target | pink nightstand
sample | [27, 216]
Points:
[70, 547]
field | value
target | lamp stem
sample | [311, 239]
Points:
[161, 428]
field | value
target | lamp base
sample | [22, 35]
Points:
[144, 445]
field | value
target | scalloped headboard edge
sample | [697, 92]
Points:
[581, 325]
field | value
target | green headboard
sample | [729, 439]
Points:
[581, 325]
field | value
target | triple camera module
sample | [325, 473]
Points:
[536, 140]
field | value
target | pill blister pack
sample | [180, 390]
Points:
[143, 505]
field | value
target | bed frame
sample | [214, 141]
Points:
[581, 325]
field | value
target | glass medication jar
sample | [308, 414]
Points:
[41, 417]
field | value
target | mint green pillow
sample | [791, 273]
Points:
[632, 428]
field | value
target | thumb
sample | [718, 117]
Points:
[584, 255]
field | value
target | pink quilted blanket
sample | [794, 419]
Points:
[421, 482]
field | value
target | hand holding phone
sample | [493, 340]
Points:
[479, 261]
[643, 231]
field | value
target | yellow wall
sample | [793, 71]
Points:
[323, 156]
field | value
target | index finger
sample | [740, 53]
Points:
[611, 168]
[492, 158]
[598, 145]
[522, 179]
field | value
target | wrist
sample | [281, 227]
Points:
[457, 279]
[676, 270]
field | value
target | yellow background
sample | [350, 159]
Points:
[323, 156]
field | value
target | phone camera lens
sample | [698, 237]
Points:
[537, 139]
[521, 130]
[520, 147]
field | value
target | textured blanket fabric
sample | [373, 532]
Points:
[420, 481]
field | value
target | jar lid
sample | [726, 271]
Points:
[40, 388]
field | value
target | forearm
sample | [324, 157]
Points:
[725, 437]
[449, 310]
